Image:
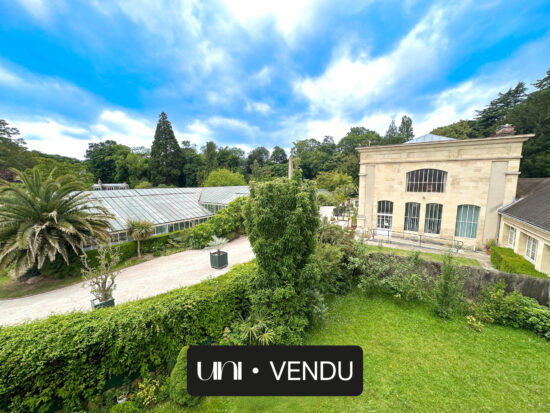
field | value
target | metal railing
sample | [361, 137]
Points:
[421, 240]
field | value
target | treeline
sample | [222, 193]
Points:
[528, 112]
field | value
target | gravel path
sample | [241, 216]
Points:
[139, 281]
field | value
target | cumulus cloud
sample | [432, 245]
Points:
[260, 107]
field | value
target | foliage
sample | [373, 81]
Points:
[513, 309]
[332, 180]
[178, 382]
[140, 230]
[165, 154]
[278, 155]
[13, 150]
[255, 330]
[101, 278]
[448, 290]
[126, 407]
[224, 177]
[60, 168]
[79, 352]
[217, 243]
[405, 130]
[45, 217]
[463, 129]
[505, 259]
[474, 323]
[101, 159]
[280, 213]
[143, 184]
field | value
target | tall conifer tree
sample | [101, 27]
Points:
[165, 162]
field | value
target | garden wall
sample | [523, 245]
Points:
[477, 277]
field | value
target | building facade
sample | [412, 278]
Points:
[525, 223]
[438, 188]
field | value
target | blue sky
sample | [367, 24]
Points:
[248, 73]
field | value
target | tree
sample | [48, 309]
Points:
[13, 150]
[45, 217]
[140, 230]
[131, 167]
[332, 180]
[209, 152]
[459, 130]
[392, 135]
[347, 157]
[77, 170]
[259, 154]
[101, 159]
[278, 155]
[543, 83]
[178, 382]
[165, 163]
[278, 214]
[101, 278]
[224, 177]
[192, 165]
[405, 129]
[230, 158]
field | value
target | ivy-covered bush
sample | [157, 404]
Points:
[505, 259]
[126, 407]
[178, 382]
[64, 359]
[513, 309]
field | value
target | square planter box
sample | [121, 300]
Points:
[96, 304]
[218, 261]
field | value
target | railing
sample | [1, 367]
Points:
[421, 240]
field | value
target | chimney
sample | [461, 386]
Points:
[505, 130]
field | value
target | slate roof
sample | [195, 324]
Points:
[162, 205]
[533, 208]
[429, 137]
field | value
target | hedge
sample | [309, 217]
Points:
[64, 359]
[505, 259]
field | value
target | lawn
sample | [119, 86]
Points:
[428, 256]
[414, 361]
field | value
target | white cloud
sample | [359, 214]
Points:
[353, 82]
[38, 8]
[231, 123]
[261, 107]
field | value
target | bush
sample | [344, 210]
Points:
[449, 289]
[67, 358]
[505, 259]
[178, 382]
[126, 407]
[514, 310]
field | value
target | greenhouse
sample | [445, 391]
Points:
[169, 209]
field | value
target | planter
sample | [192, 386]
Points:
[488, 250]
[97, 304]
[218, 259]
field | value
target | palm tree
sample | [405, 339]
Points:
[140, 230]
[42, 217]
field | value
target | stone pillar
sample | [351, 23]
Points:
[290, 166]
[361, 224]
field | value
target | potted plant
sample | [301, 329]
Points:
[101, 277]
[218, 258]
[490, 243]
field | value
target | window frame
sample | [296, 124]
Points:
[431, 219]
[531, 246]
[511, 230]
[412, 207]
[467, 225]
[384, 216]
[426, 180]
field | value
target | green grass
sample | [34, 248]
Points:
[428, 256]
[414, 361]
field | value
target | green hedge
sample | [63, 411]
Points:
[64, 359]
[505, 259]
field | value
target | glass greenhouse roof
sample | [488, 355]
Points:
[162, 205]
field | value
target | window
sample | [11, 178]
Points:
[432, 223]
[385, 212]
[412, 216]
[531, 245]
[512, 237]
[466, 221]
[426, 180]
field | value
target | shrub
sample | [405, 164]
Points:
[505, 259]
[405, 281]
[126, 407]
[514, 310]
[67, 358]
[178, 382]
[224, 177]
[371, 268]
[449, 289]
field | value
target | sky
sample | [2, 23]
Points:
[251, 73]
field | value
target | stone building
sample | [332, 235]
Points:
[438, 189]
[525, 223]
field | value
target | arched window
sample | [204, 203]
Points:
[385, 215]
[432, 222]
[466, 221]
[426, 180]
[412, 216]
